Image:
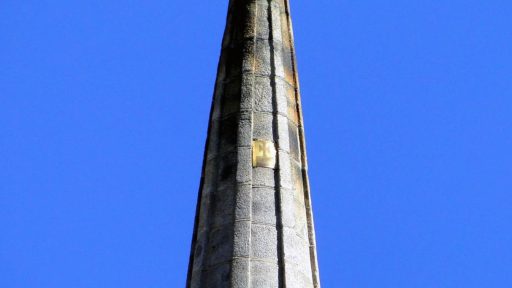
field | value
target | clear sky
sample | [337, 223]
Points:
[103, 115]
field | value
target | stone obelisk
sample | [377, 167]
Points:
[254, 223]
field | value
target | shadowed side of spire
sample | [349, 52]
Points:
[254, 224]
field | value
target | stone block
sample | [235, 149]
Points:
[281, 96]
[288, 207]
[292, 113]
[220, 245]
[262, 23]
[263, 177]
[232, 61]
[218, 276]
[242, 239]
[296, 277]
[245, 132]
[263, 126]
[286, 37]
[263, 95]
[264, 275]
[293, 136]
[230, 98]
[244, 165]
[264, 242]
[283, 137]
[298, 184]
[285, 170]
[248, 57]
[228, 132]
[276, 21]
[262, 58]
[264, 206]
[227, 170]
[247, 91]
[296, 249]
[301, 222]
[240, 275]
[288, 65]
[243, 203]
[223, 206]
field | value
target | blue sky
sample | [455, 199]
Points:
[103, 117]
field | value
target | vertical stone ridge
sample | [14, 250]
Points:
[278, 206]
[241, 269]
[307, 192]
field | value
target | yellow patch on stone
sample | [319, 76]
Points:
[263, 154]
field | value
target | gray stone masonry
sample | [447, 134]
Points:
[254, 223]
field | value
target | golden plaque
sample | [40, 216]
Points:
[263, 154]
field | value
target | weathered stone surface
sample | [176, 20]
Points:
[264, 274]
[293, 136]
[230, 101]
[240, 273]
[242, 239]
[244, 167]
[254, 226]
[219, 276]
[263, 126]
[264, 242]
[220, 245]
[263, 177]
[243, 202]
[283, 137]
[295, 278]
[222, 204]
[264, 206]
[262, 95]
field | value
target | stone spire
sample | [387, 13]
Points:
[254, 223]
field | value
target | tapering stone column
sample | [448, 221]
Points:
[254, 223]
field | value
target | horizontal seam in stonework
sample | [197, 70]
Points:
[236, 113]
[249, 182]
[273, 114]
[248, 72]
[263, 186]
[263, 224]
[253, 259]
[231, 223]
[273, 187]
[213, 266]
[242, 220]
[283, 80]
[234, 258]
[251, 73]
[249, 39]
[266, 224]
